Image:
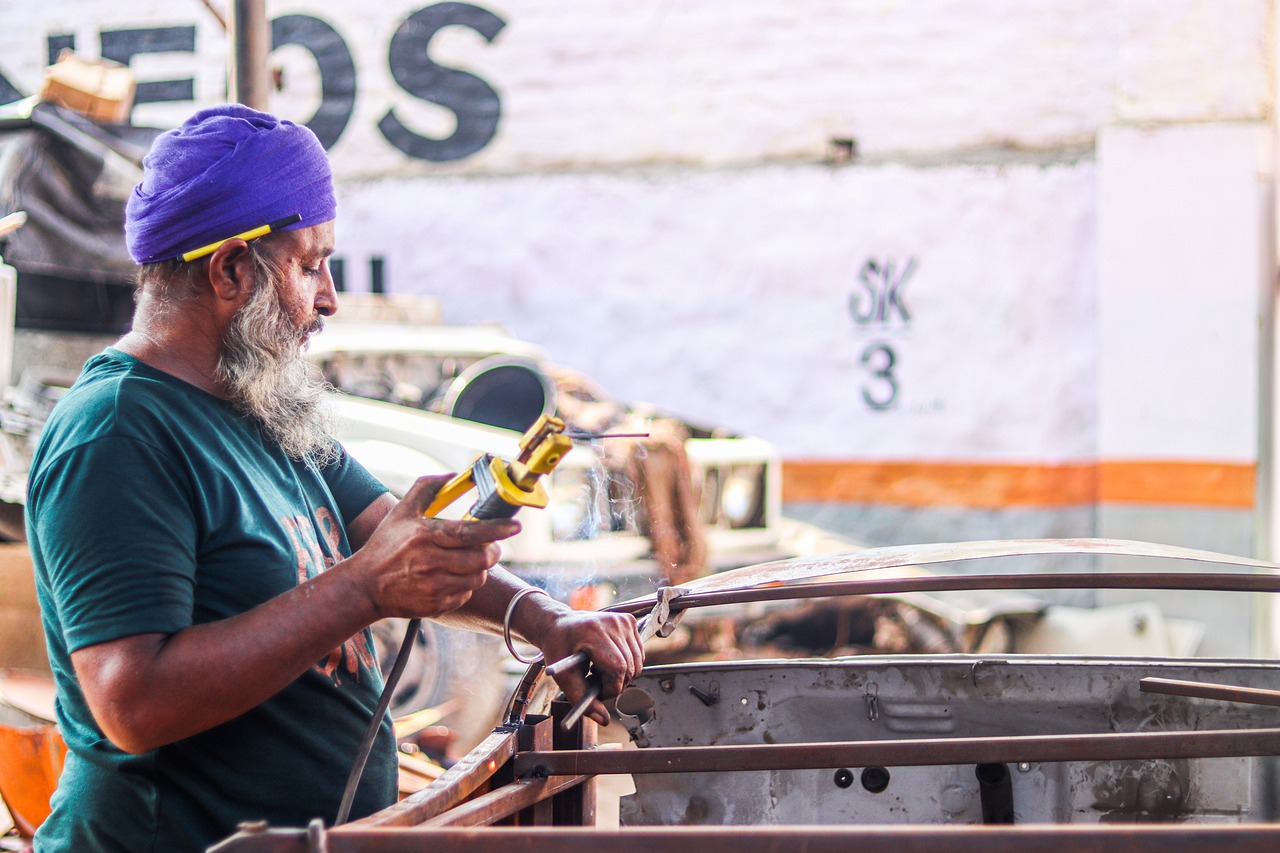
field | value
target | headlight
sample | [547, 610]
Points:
[741, 495]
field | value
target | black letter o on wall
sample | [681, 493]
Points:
[337, 71]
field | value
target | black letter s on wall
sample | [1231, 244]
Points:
[474, 101]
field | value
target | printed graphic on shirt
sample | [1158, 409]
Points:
[317, 547]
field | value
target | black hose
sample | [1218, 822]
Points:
[487, 506]
[995, 787]
[371, 733]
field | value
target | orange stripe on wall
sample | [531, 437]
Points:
[1200, 483]
[996, 486]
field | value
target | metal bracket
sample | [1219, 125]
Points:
[660, 622]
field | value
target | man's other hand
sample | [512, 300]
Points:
[610, 640]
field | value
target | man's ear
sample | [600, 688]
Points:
[231, 271]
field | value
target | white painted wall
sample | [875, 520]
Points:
[729, 294]
[1184, 225]
[655, 207]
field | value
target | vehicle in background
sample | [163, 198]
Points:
[625, 515]
[670, 501]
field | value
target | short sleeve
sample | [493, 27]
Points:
[352, 486]
[114, 522]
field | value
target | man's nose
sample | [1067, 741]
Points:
[326, 301]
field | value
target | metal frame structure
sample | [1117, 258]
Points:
[530, 785]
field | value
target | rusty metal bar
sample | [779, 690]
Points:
[519, 703]
[453, 786]
[1212, 581]
[537, 810]
[577, 806]
[793, 571]
[907, 838]
[913, 752]
[1207, 690]
[507, 801]
[897, 556]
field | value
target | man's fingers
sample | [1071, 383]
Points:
[632, 647]
[468, 534]
[611, 642]
[620, 652]
[461, 533]
[451, 603]
[472, 581]
[617, 653]
[619, 674]
[462, 562]
[598, 712]
[577, 686]
[610, 667]
[423, 492]
[637, 653]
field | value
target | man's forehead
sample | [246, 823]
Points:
[314, 240]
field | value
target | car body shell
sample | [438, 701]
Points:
[923, 753]
[399, 441]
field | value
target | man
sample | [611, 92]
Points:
[208, 559]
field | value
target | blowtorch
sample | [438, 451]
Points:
[503, 488]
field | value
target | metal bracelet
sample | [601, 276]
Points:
[506, 622]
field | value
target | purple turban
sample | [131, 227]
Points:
[226, 170]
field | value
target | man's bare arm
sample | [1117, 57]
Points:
[151, 689]
[361, 528]
[610, 640]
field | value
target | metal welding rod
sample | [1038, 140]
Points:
[596, 436]
[563, 665]
[567, 663]
[575, 713]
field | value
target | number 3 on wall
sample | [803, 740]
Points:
[880, 391]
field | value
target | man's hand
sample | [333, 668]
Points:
[413, 566]
[610, 640]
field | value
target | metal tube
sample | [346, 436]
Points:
[250, 42]
[793, 571]
[1205, 690]
[1221, 582]
[914, 752]
[910, 838]
[504, 802]
[1265, 507]
[451, 788]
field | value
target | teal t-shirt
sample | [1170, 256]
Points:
[154, 506]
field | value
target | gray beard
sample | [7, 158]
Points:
[267, 377]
